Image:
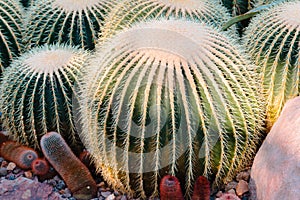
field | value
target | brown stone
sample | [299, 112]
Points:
[11, 166]
[242, 188]
[243, 176]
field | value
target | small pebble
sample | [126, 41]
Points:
[3, 171]
[219, 194]
[28, 174]
[105, 194]
[110, 197]
[242, 188]
[4, 163]
[243, 176]
[16, 170]
[231, 185]
[231, 191]
[60, 185]
[51, 182]
[1, 159]
[11, 166]
[101, 185]
[11, 177]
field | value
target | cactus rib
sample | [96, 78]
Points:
[11, 31]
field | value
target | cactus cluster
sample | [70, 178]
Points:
[66, 21]
[272, 40]
[36, 93]
[128, 12]
[169, 96]
[11, 31]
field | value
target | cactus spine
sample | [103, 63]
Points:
[37, 93]
[272, 40]
[10, 31]
[131, 11]
[67, 21]
[169, 96]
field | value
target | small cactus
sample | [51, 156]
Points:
[40, 167]
[11, 31]
[129, 12]
[37, 91]
[65, 21]
[170, 188]
[201, 189]
[169, 96]
[74, 173]
[21, 155]
[272, 39]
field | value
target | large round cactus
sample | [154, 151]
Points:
[169, 97]
[273, 39]
[67, 21]
[36, 94]
[10, 31]
[130, 11]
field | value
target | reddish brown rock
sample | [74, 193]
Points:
[276, 169]
[23, 188]
[242, 188]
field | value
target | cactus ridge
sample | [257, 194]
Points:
[160, 89]
[131, 11]
[75, 23]
[272, 40]
[11, 31]
[37, 93]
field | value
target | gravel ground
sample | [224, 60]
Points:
[12, 180]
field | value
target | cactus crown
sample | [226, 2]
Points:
[272, 39]
[10, 31]
[168, 96]
[67, 21]
[130, 11]
[37, 93]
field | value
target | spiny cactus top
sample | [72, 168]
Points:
[131, 11]
[67, 21]
[169, 96]
[273, 39]
[10, 31]
[36, 94]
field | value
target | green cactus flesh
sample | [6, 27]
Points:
[67, 21]
[169, 96]
[131, 11]
[10, 31]
[272, 40]
[36, 94]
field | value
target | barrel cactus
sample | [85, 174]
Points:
[131, 11]
[36, 94]
[272, 40]
[66, 21]
[10, 31]
[169, 97]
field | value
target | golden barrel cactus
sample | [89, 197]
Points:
[169, 97]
